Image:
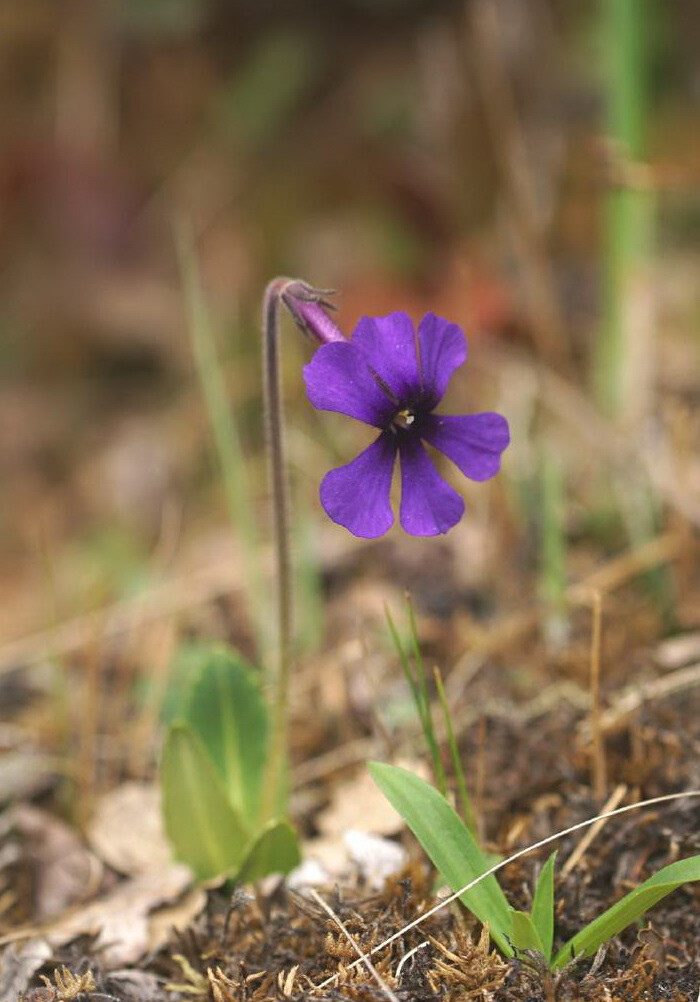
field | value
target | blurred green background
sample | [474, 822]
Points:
[528, 168]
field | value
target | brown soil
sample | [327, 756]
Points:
[534, 760]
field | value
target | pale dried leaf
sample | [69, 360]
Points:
[328, 853]
[24, 775]
[678, 651]
[360, 802]
[126, 830]
[376, 858]
[133, 986]
[120, 920]
[309, 873]
[176, 916]
[18, 965]
[64, 870]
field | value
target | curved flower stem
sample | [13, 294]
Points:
[274, 432]
[308, 306]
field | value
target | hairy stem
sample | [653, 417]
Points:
[276, 765]
[309, 308]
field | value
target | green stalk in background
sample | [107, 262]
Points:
[623, 362]
[227, 440]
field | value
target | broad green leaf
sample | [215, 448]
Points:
[183, 668]
[525, 935]
[274, 850]
[227, 712]
[543, 907]
[204, 829]
[628, 909]
[450, 845]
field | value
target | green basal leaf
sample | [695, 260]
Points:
[525, 935]
[183, 668]
[628, 910]
[204, 829]
[543, 907]
[449, 844]
[274, 850]
[227, 712]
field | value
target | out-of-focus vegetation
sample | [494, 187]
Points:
[457, 156]
[526, 168]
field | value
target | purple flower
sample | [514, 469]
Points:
[392, 377]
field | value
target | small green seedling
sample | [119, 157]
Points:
[454, 851]
[534, 930]
[212, 773]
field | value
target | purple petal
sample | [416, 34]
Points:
[473, 441]
[443, 349]
[337, 379]
[429, 505]
[390, 346]
[357, 495]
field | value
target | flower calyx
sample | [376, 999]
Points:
[308, 307]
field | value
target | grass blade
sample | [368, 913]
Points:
[628, 910]
[422, 681]
[543, 907]
[464, 799]
[449, 844]
[419, 692]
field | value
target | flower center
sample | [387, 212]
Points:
[404, 419]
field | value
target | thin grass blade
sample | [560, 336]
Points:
[420, 696]
[464, 799]
[543, 907]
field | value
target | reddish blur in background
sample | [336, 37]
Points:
[366, 145]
